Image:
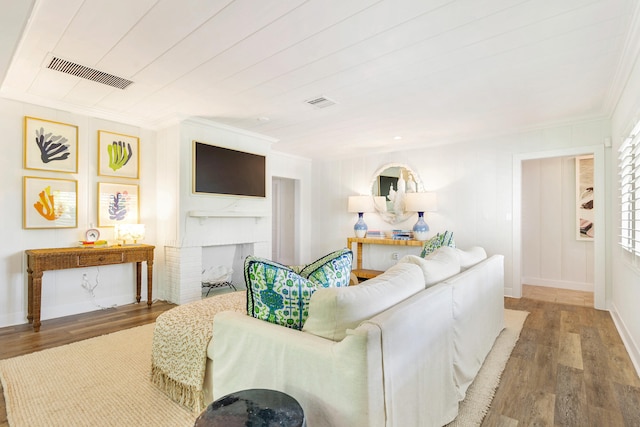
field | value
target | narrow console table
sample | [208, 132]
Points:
[40, 260]
[363, 273]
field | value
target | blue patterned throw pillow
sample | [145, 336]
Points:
[444, 239]
[279, 294]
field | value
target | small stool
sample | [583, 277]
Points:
[253, 408]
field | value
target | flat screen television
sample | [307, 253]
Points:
[218, 170]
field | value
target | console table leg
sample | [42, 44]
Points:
[138, 280]
[30, 296]
[36, 299]
[149, 282]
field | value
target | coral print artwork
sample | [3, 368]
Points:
[49, 203]
[50, 145]
[117, 204]
[118, 155]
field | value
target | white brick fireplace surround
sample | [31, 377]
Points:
[209, 242]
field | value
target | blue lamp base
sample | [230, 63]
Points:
[420, 229]
[360, 228]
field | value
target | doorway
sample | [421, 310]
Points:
[284, 226]
[598, 244]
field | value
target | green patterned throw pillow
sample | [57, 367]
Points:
[330, 271]
[276, 293]
[444, 239]
[279, 294]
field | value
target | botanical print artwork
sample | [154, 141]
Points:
[118, 155]
[117, 204]
[50, 145]
[49, 203]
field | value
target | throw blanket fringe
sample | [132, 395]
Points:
[179, 348]
[187, 396]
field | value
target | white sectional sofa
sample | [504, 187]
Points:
[398, 350]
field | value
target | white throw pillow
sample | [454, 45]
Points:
[334, 310]
[470, 257]
[439, 265]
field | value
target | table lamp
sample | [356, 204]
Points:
[360, 205]
[421, 203]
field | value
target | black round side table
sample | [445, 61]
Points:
[253, 408]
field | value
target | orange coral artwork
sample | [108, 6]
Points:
[49, 203]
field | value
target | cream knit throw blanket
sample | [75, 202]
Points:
[179, 348]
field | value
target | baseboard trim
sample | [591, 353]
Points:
[562, 284]
[627, 339]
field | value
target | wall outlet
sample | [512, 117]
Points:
[394, 256]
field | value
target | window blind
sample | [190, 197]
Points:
[629, 173]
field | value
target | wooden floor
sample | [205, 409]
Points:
[569, 367]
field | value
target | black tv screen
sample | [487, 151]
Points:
[218, 170]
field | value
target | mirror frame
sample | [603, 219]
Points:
[392, 217]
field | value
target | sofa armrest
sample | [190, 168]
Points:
[336, 383]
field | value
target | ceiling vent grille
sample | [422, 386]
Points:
[92, 74]
[321, 102]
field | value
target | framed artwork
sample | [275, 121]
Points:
[584, 198]
[49, 203]
[50, 146]
[117, 204]
[118, 155]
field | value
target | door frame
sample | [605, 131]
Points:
[599, 248]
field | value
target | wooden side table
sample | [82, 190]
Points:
[363, 273]
[40, 260]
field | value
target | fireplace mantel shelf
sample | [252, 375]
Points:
[222, 214]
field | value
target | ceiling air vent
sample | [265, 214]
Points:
[92, 74]
[321, 102]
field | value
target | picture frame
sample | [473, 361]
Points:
[585, 214]
[49, 203]
[118, 155]
[50, 146]
[117, 204]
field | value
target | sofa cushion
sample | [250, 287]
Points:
[437, 266]
[276, 293]
[332, 270]
[280, 294]
[334, 310]
[470, 257]
[444, 239]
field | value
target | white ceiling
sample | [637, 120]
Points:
[431, 71]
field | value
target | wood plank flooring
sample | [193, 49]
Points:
[569, 367]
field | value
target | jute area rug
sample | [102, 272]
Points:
[104, 381]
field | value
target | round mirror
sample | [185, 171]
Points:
[389, 186]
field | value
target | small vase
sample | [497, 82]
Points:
[420, 229]
[360, 228]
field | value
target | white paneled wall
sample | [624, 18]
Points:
[551, 255]
[474, 182]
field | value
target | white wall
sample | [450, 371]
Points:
[61, 290]
[551, 254]
[625, 269]
[474, 182]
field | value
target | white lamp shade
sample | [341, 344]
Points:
[360, 204]
[126, 232]
[380, 203]
[421, 202]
